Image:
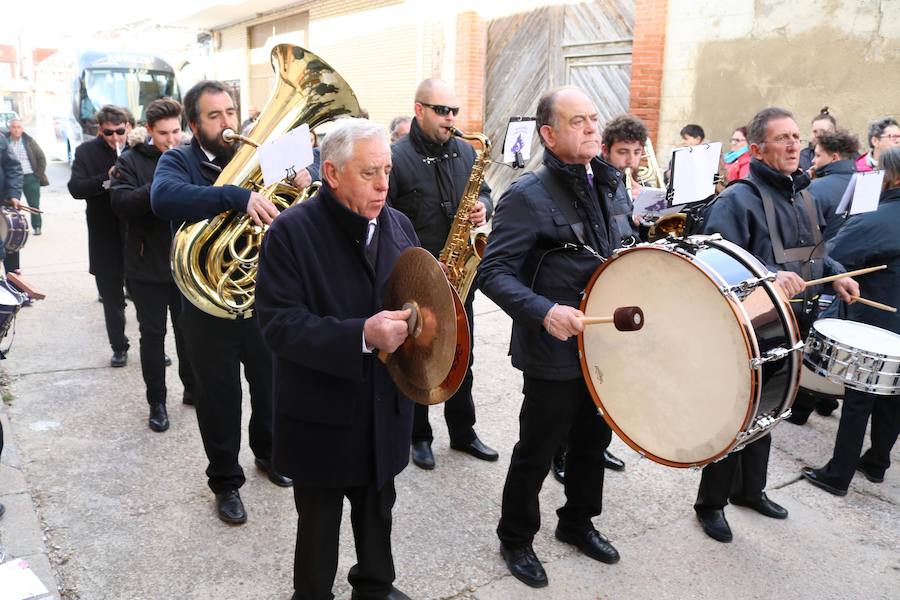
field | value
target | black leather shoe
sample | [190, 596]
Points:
[869, 476]
[394, 594]
[524, 565]
[763, 506]
[798, 418]
[477, 449]
[230, 508]
[167, 361]
[815, 477]
[613, 462]
[558, 466]
[826, 406]
[274, 477]
[159, 420]
[715, 525]
[422, 456]
[590, 543]
[2, 509]
[119, 358]
[188, 398]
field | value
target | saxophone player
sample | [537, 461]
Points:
[182, 190]
[430, 172]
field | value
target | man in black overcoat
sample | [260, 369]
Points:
[90, 181]
[553, 228]
[430, 173]
[771, 215]
[323, 268]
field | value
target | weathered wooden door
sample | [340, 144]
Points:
[586, 44]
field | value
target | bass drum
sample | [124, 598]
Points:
[716, 364]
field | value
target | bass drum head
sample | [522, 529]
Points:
[680, 389]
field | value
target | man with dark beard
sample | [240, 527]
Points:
[182, 191]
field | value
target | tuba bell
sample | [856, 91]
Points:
[214, 261]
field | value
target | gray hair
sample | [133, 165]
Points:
[397, 122]
[758, 128]
[338, 144]
[877, 127]
[889, 162]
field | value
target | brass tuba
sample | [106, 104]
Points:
[214, 261]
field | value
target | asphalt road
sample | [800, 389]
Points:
[126, 512]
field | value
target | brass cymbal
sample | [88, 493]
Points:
[421, 365]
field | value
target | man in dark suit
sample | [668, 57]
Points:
[90, 180]
[182, 190]
[324, 322]
[552, 229]
[431, 170]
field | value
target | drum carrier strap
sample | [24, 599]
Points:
[559, 195]
[800, 256]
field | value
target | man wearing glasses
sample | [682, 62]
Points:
[771, 215]
[883, 133]
[91, 171]
[430, 172]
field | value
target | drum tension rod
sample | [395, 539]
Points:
[775, 354]
[742, 289]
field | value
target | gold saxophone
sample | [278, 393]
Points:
[463, 252]
[214, 261]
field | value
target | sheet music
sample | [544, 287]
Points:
[862, 193]
[693, 172]
[293, 150]
[519, 134]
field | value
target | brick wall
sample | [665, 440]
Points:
[647, 61]
[471, 44]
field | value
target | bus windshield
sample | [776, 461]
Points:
[133, 89]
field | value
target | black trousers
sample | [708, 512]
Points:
[740, 475]
[858, 406]
[553, 411]
[459, 410]
[217, 348]
[110, 288]
[153, 302]
[318, 534]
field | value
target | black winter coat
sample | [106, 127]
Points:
[339, 421]
[148, 238]
[869, 240]
[10, 173]
[533, 260]
[828, 188]
[90, 169]
[739, 216]
[414, 187]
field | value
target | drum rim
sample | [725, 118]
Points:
[750, 343]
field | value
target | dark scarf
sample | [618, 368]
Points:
[439, 156]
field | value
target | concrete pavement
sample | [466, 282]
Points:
[126, 512]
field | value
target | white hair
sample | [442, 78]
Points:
[338, 145]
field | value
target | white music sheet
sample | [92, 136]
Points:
[862, 193]
[293, 150]
[518, 139]
[18, 581]
[693, 172]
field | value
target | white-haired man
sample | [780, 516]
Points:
[324, 323]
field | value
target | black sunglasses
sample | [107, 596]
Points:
[441, 109]
[109, 132]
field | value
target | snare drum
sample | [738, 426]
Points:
[716, 364]
[13, 229]
[859, 356]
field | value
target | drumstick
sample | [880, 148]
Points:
[874, 304]
[625, 318]
[30, 209]
[855, 273]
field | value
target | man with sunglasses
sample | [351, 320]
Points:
[771, 215]
[430, 172]
[90, 181]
